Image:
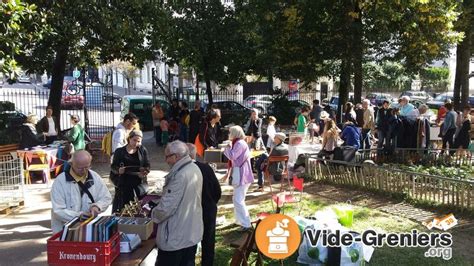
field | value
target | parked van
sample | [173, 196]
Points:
[141, 106]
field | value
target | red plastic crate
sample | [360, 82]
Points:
[82, 253]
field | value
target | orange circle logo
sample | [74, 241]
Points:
[277, 236]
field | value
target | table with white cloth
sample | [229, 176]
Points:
[295, 150]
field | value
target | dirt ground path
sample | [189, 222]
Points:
[463, 233]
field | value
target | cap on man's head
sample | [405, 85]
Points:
[281, 136]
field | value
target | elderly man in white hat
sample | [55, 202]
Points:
[275, 169]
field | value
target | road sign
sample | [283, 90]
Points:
[76, 74]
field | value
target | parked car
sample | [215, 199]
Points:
[72, 98]
[260, 102]
[439, 100]
[417, 96]
[111, 97]
[378, 98]
[231, 112]
[335, 101]
[285, 110]
[141, 106]
[24, 78]
[67, 80]
[11, 119]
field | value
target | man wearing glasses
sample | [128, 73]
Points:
[78, 191]
[179, 211]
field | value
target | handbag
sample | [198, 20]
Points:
[235, 176]
[199, 146]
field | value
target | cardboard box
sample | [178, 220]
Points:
[214, 156]
[135, 225]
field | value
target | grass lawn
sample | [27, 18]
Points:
[364, 218]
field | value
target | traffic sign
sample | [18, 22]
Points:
[76, 74]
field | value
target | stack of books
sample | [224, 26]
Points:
[93, 229]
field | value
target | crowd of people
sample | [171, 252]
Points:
[191, 184]
[46, 131]
[390, 125]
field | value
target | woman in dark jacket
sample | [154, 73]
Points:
[209, 131]
[129, 170]
[463, 138]
[28, 134]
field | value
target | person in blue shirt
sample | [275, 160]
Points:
[449, 128]
[407, 109]
[351, 135]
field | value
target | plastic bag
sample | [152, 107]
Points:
[316, 255]
[344, 213]
[356, 254]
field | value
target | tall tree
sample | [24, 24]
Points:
[202, 35]
[84, 33]
[464, 50]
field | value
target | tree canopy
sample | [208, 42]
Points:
[223, 43]
[20, 25]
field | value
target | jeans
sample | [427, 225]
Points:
[384, 138]
[180, 257]
[158, 135]
[366, 141]
[183, 133]
[449, 138]
[241, 212]
[258, 165]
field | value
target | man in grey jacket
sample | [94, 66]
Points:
[179, 212]
[77, 191]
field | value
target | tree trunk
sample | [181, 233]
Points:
[358, 56]
[209, 91]
[464, 70]
[457, 78]
[57, 79]
[344, 85]
[461, 82]
[347, 57]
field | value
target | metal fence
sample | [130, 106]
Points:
[426, 157]
[12, 191]
[262, 102]
[97, 109]
[422, 187]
